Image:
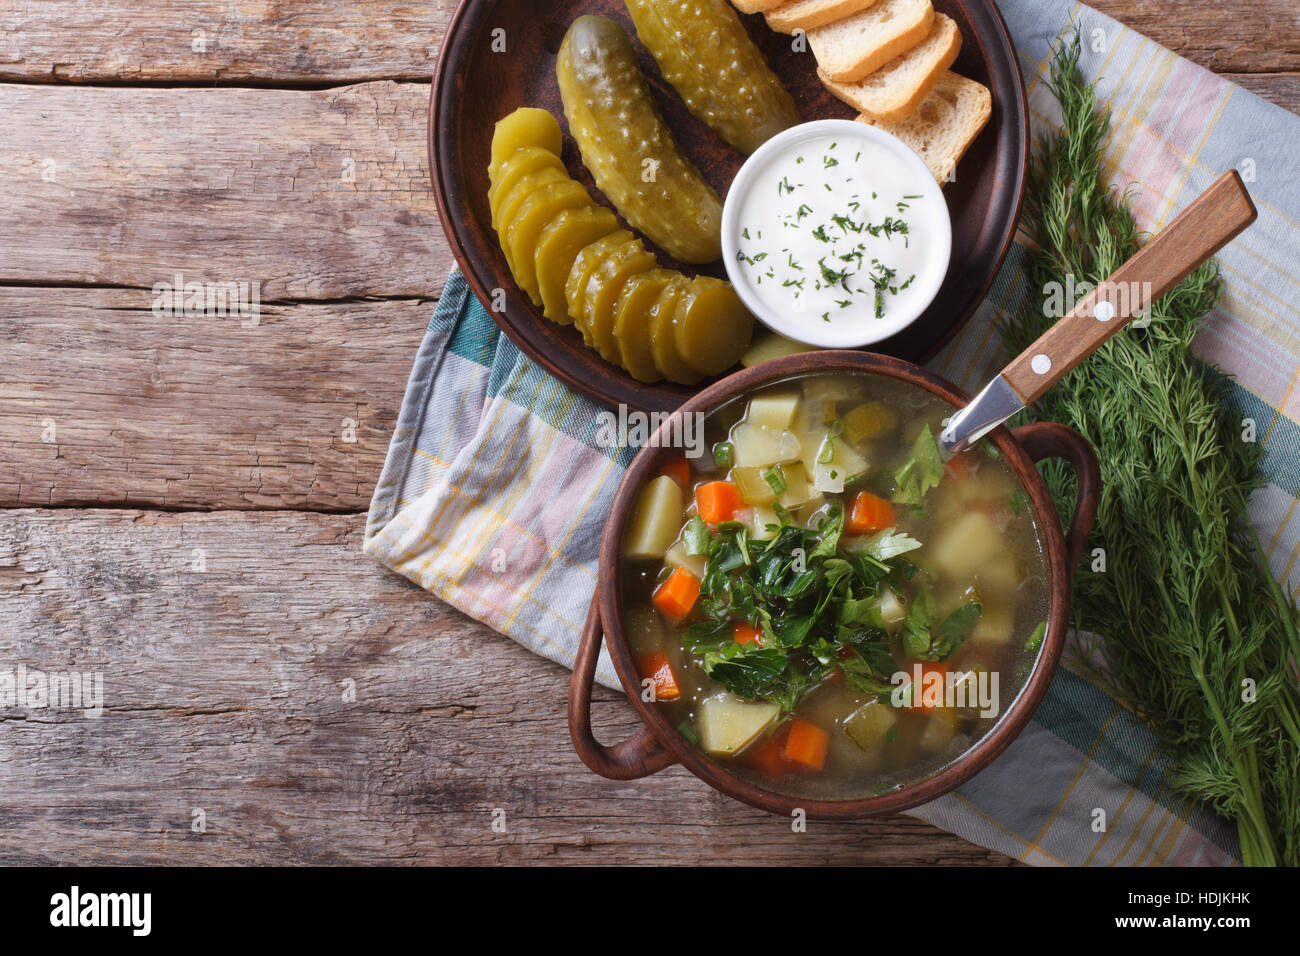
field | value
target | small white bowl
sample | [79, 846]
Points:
[919, 182]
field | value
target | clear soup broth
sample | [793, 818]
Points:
[823, 605]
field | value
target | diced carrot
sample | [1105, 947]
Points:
[806, 745]
[676, 596]
[918, 693]
[768, 756]
[718, 501]
[961, 467]
[679, 470]
[869, 514]
[655, 667]
[744, 634]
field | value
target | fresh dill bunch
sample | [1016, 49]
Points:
[1192, 630]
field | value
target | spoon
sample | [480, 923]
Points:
[1213, 220]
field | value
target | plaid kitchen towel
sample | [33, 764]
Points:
[495, 491]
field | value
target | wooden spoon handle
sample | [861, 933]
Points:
[1205, 227]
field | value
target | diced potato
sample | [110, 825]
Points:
[870, 725]
[829, 479]
[939, 730]
[994, 627]
[772, 346]
[678, 557]
[844, 463]
[964, 546]
[775, 410]
[999, 576]
[763, 523]
[753, 486]
[798, 489]
[832, 387]
[758, 447]
[728, 724]
[812, 417]
[891, 609]
[810, 437]
[656, 520]
[869, 421]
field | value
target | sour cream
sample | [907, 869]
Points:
[835, 234]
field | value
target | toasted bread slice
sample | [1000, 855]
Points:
[810, 14]
[755, 6]
[849, 49]
[945, 124]
[894, 91]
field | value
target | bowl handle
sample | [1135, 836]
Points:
[638, 756]
[1044, 440]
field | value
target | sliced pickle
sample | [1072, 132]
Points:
[704, 51]
[603, 289]
[523, 163]
[628, 147]
[521, 232]
[522, 128]
[713, 326]
[575, 287]
[512, 199]
[558, 246]
[663, 339]
[632, 322]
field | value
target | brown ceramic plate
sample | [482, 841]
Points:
[476, 84]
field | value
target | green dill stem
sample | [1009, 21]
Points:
[1188, 607]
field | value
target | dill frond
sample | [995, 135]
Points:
[1190, 616]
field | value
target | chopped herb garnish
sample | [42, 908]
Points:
[922, 471]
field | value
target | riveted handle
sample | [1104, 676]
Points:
[1217, 217]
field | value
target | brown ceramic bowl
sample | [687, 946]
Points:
[476, 83]
[659, 744]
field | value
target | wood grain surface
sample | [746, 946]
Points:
[319, 42]
[277, 42]
[203, 548]
[313, 194]
[106, 403]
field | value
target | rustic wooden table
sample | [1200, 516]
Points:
[183, 499]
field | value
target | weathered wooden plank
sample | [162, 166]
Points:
[313, 194]
[323, 42]
[1228, 36]
[103, 41]
[227, 643]
[104, 402]
[1280, 88]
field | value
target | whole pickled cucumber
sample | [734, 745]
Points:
[703, 50]
[628, 147]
